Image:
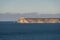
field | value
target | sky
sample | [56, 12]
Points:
[29, 6]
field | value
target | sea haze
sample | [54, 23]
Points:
[15, 17]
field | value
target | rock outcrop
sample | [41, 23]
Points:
[38, 20]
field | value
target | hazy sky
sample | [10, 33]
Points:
[28, 6]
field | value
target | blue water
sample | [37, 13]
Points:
[15, 31]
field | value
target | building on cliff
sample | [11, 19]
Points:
[38, 20]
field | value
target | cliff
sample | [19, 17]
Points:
[39, 20]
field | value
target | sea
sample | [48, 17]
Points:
[26, 31]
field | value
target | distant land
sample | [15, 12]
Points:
[15, 17]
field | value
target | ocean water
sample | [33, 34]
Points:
[15, 31]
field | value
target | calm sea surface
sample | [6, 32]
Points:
[15, 31]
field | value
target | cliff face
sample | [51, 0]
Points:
[22, 20]
[38, 20]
